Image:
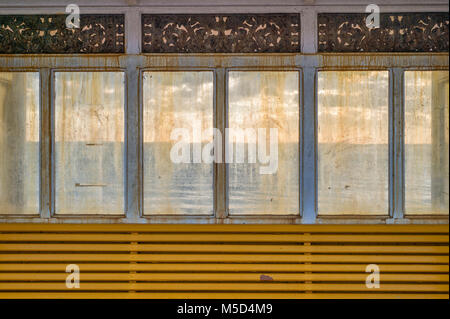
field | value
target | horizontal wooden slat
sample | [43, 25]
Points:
[208, 261]
[222, 238]
[224, 286]
[215, 267]
[156, 228]
[397, 249]
[236, 258]
[214, 277]
[216, 295]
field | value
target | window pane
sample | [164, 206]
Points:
[353, 151]
[264, 100]
[177, 100]
[19, 142]
[426, 142]
[89, 142]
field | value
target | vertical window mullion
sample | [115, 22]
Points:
[220, 119]
[133, 147]
[308, 171]
[397, 153]
[45, 141]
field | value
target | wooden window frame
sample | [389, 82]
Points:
[309, 61]
[220, 64]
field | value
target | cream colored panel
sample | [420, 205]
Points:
[177, 100]
[19, 143]
[89, 142]
[264, 100]
[426, 142]
[352, 133]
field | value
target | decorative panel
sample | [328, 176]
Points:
[398, 32]
[232, 33]
[24, 34]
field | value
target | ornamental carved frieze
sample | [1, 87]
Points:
[397, 32]
[230, 33]
[32, 34]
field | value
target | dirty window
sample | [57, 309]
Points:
[426, 142]
[177, 130]
[263, 167]
[353, 133]
[19, 143]
[89, 142]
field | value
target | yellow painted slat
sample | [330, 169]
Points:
[246, 258]
[398, 249]
[191, 261]
[235, 238]
[165, 228]
[216, 267]
[225, 286]
[216, 295]
[215, 277]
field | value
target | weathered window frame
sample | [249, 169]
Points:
[309, 62]
[220, 64]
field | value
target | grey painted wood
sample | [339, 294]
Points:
[397, 143]
[45, 143]
[220, 119]
[309, 147]
[133, 184]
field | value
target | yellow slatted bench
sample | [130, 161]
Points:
[223, 261]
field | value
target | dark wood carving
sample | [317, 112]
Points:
[398, 32]
[27, 34]
[231, 33]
